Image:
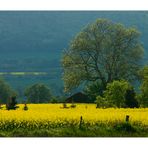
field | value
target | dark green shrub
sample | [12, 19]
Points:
[54, 100]
[102, 102]
[93, 90]
[130, 99]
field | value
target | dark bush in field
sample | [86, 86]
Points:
[53, 100]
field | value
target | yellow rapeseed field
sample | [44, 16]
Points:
[45, 115]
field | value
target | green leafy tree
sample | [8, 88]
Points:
[103, 51]
[102, 102]
[143, 97]
[54, 99]
[6, 92]
[38, 93]
[143, 73]
[93, 90]
[118, 93]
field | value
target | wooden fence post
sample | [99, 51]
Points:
[81, 121]
[127, 118]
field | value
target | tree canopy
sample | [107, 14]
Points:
[120, 94]
[38, 93]
[5, 91]
[144, 86]
[103, 51]
[93, 90]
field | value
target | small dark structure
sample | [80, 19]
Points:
[25, 107]
[11, 104]
[73, 105]
[81, 122]
[127, 118]
[78, 98]
[65, 105]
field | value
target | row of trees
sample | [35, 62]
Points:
[36, 93]
[107, 58]
[120, 93]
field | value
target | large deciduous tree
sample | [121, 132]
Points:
[103, 51]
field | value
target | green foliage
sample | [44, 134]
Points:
[121, 94]
[38, 93]
[93, 90]
[144, 88]
[102, 102]
[130, 99]
[103, 51]
[115, 92]
[54, 100]
[143, 97]
[5, 92]
[125, 126]
[143, 73]
[99, 130]
[61, 99]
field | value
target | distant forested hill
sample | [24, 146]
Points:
[33, 41]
